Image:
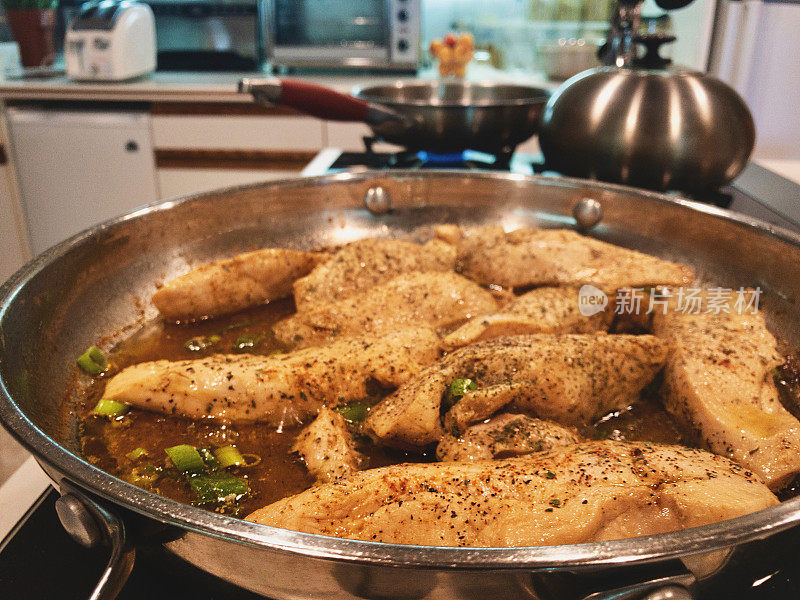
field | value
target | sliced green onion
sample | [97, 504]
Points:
[244, 323]
[244, 342]
[145, 474]
[214, 488]
[93, 361]
[110, 408]
[186, 458]
[97, 355]
[456, 391]
[355, 412]
[209, 458]
[136, 454]
[229, 456]
[214, 338]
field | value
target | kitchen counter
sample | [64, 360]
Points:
[211, 87]
[789, 169]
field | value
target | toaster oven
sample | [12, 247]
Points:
[373, 34]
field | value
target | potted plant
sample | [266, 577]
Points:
[32, 22]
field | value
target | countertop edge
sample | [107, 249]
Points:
[212, 87]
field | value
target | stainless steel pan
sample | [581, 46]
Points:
[95, 287]
[421, 115]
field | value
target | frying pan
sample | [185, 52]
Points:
[421, 115]
[93, 288]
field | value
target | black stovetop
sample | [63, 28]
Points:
[40, 561]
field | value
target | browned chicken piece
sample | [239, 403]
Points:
[594, 491]
[449, 233]
[410, 299]
[327, 447]
[364, 264]
[412, 415]
[278, 389]
[503, 436]
[527, 257]
[718, 384]
[570, 379]
[226, 286]
[543, 310]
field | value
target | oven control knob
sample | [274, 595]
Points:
[402, 45]
[403, 15]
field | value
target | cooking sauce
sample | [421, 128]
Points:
[280, 473]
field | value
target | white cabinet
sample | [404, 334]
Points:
[179, 182]
[237, 132]
[78, 168]
[246, 149]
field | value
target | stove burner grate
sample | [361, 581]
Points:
[422, 159]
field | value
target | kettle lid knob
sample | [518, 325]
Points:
[652, 43]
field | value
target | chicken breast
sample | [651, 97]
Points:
[718, 384]
[570, 379]
[503, 436]
[543, 310]
[364, 264]
[588, 492]
[226, 286]
[410, 299]
[276, 389]
[527, 257]
[327, 447]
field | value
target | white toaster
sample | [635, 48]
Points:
[110, 40]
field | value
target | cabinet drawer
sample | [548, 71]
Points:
[237, 132]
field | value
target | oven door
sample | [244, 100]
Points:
[332, 33]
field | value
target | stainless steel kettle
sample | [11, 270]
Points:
[634, 121]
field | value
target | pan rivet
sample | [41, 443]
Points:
[587, 213]
[78, 521]
[377, 200]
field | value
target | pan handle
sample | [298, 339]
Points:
[676, 587]
[316, 100]
[89, 524]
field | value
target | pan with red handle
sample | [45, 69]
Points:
[431, 115]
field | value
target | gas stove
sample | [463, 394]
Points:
[757, 192]
[39, 561]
